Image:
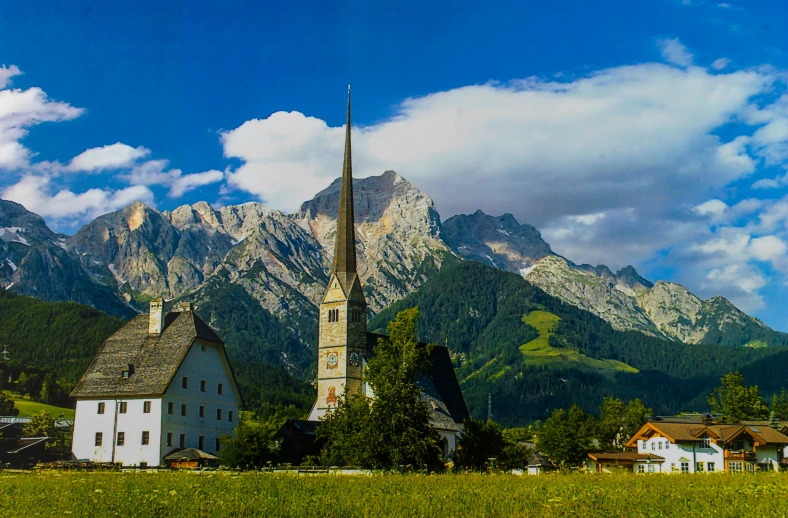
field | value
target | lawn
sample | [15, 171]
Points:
[264, 494]
[28, 408]
[539, 351]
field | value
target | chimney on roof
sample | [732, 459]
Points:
[183, 307]
[156, 318]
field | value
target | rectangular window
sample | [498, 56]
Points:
[202, 411]
[230, 415]
[685, 467]
[183, 408]
[145, 438]
[101, 408]
[123, 407]
[660, 445]
[202, 385]
[735, 467]
[710, 467]
[220, 389]
[121, 438]
[169, 438]
[99, 438]
[667, 445]
[170, 407]
[218, 414]
[218, 444]
[653, 446]
[705, 442]
[641, 468]
[200, 442]
[146, 407]
[185, 382]
[651, 468]
[182, 442]
[699, 467]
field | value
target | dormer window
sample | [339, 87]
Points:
[127, 372]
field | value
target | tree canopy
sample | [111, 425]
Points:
[567, 436]
[735, 402]
[391, 430]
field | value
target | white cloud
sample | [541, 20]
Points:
[113, 156]
[720, 63]
[21, 109]
[673, 51]
[6, 73]
[714, 208]
[154, 172]
[768, 248]
[34, 193]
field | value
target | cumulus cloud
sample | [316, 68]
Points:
[6, 73]
[21, 109]
[613, 167]
[673, 51]
[36, 194]
[155, 172]
[113, 156]
[720, 63]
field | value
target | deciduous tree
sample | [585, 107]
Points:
[735, 402]
[567, 435]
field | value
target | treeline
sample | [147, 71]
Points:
[42, 385]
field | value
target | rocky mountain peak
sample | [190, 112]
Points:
[500, 241]
[397, 231]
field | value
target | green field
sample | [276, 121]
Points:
[28, 408]
[539, 351]
[264, 494]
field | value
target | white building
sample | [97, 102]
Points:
[160, 384]
[681, 447]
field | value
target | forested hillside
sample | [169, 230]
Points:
[63, 338]
[479, 312]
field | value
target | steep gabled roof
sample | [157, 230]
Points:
[440, 389]
[155, 358]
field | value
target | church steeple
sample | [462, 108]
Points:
[345, 246]
[342, 333]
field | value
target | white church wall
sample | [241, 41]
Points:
[204, 362]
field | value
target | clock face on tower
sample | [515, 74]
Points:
[354, 359]
[332, 360]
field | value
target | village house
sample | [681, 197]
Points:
[679, 445]
[344, 345]
[161, 384]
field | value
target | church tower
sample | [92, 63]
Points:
[343, 311]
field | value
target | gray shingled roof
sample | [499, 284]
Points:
[440, 390]
[156, 359]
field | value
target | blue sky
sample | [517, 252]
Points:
[652, 133]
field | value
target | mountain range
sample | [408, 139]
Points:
[257, 274]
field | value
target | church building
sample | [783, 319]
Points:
[159, 392]
[344, 343]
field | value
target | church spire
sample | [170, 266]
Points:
[345, 247]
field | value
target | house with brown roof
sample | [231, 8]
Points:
[703, 447]
[160, 384]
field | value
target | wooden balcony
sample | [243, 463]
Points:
[739, 455]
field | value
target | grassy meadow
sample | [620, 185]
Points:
[29, 408]
[264, 494]
[539, 351]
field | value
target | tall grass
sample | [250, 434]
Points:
[270, 495]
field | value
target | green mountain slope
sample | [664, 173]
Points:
[479, 312]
